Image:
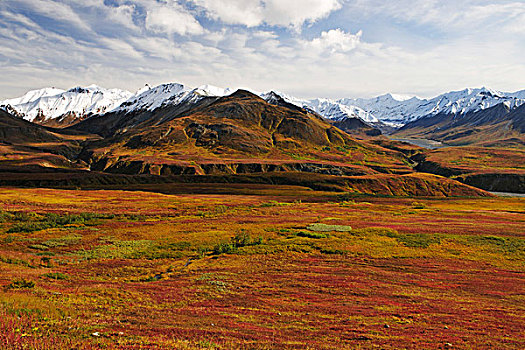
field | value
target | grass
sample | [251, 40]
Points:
[31, 222]
[329, 228]
[309, 272]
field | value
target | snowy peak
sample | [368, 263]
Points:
[398, 110]
[51, 104]
[391, 109]
[330, 109]
[150, 98]
[402, 98]
[32, 96]
[467, 101]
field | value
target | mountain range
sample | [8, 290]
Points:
[60, 108]
[172, 130]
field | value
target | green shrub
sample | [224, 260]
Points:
[28, 227]
[21, 283]
[314, 235]
[241, 239]
[272, 204]
[5, 216]
[57, 242]
[24, 216]
[224, 248]
[31, 222]
[12, 261]
[416, 240]
[333, 251]
[120, 250]
[418, 205]
[506, 244]
[56, 276]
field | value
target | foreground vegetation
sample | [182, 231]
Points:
[138, 270]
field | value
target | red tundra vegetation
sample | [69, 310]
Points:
[290, 269]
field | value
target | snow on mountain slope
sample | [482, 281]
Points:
[338, 111]
[397, 111]
[390, 109]
[329, 109]
[33, 95]
[168, 94]
[51, 103]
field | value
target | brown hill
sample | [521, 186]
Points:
[25, 146]
[237, 133]
[234, 139]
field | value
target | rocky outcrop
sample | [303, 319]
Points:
[430, 167]
[513, 183]
[139, 167]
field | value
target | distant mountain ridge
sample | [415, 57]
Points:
[56, 107]
[59, 108]
[498, 125]
[398, 110]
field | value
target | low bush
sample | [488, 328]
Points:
[31, 222]
[56, 276]
[314, 235]
[241, 239]
[418, 205]
[506, 244]
[416, 240]
[21, 283]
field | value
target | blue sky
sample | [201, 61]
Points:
[306, 48]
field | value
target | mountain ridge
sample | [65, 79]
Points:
[59, 108]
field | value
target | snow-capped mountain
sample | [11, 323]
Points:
[330, 109]
[150, 98]
[393, 110]
[400, 111]
[48, 104]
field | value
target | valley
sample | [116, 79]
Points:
[283, 267]
[215, 219]
[262, 175]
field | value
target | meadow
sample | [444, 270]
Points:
[278, 269]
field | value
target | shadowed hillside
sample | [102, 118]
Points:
[496, 126]
[240, 133]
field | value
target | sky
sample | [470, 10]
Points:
[305, 48]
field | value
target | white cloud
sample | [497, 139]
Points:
[122, 14]
[54, 10]
[297, 12]
[252, 13]
[336, 41]
[133, 42]
[171, 18]
[246, 12]
[446, 15]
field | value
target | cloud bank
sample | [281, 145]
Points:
[308, 48]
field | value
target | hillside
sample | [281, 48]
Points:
[25, 146]
[495, 126]
[237, 133]
[492, 169]
[234, 135]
